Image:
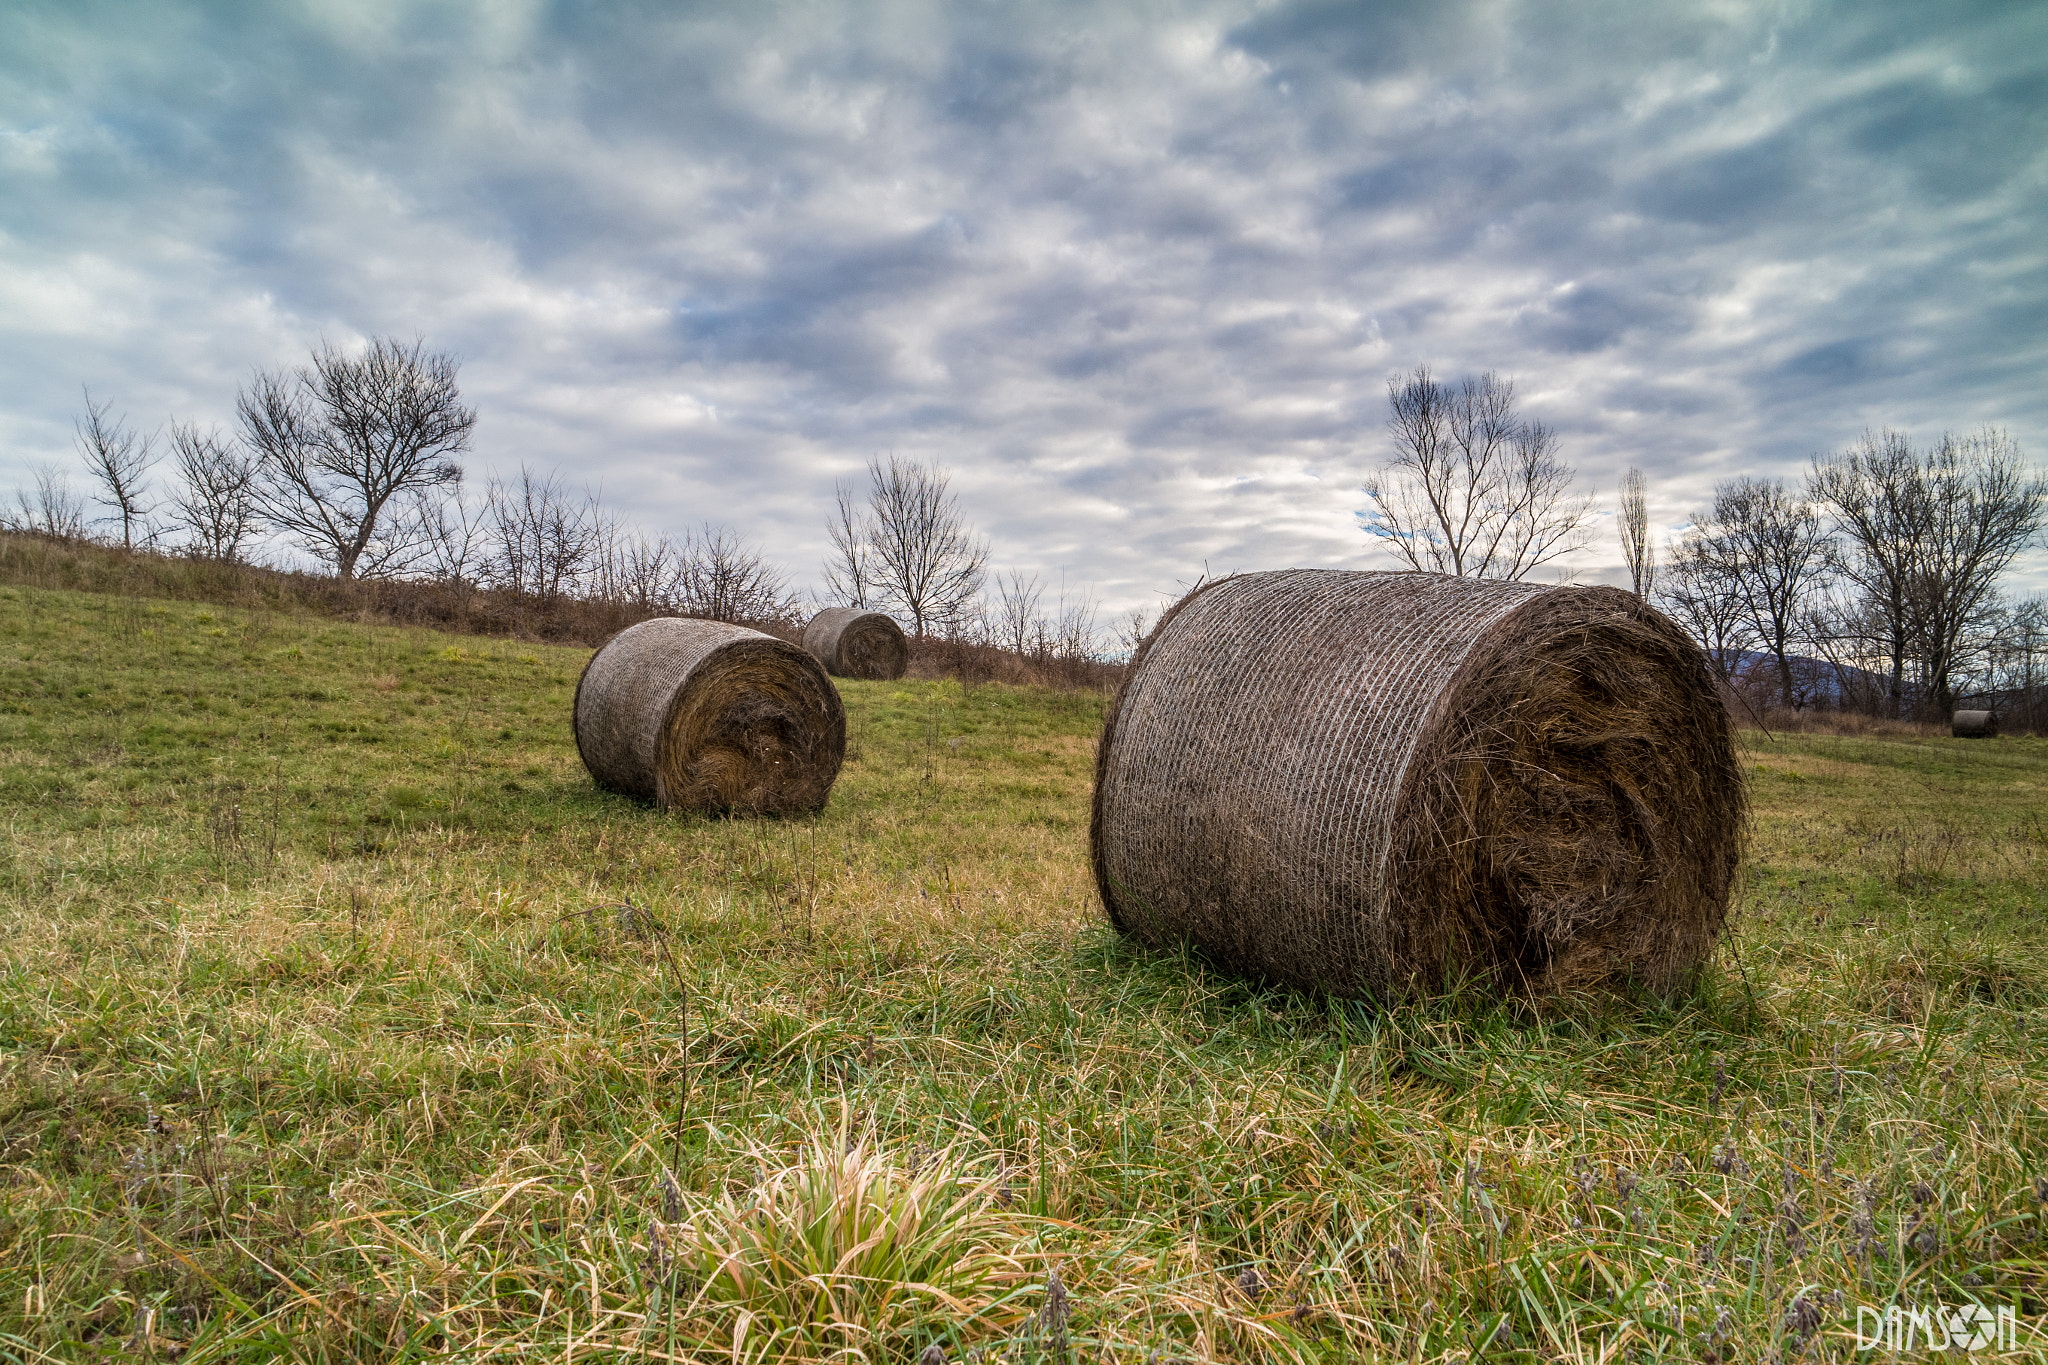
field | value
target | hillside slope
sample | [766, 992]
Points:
[342, 1018]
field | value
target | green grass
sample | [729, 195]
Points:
[343, 1019]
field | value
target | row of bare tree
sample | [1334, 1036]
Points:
[539, 540]
[354, 460]
[344, 457]
[1875, 586]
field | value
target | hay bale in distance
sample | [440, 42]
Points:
[1380, 783]
[854, 643]
[701, 715]
[1975, 725]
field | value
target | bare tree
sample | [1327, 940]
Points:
[513, 516]
[1698, 591]
[457, 534]
[1075, 637]
[722, 578]
[340, 440]
[1773, 553]
[1879, 504]
[849, 570]
[1844, 629]
[922, 558]
[52, 509]
[2018, 662]
[1472, 489]
[1984, 508]
[970, 624]
[1132, 628]
[1636, 546]
[216, 499]
[119, 461]
[1017, 599]
[599, 581]
[1926, 538]
[648, 573]
[542, 539]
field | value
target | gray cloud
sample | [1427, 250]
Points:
[1138, 275]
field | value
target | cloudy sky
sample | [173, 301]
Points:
[1136, 273]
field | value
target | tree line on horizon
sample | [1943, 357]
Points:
[354, 460]
[1872, 585]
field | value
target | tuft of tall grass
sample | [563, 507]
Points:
[846, 1254]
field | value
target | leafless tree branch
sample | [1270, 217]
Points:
[1017, 600]
[921, 558]
[457, 535]
[1925, 537]
[1472, 489]
[339, 440]
[216, 501]
[1637, 548]
[1772, 551]
[1698, 591]
[119, 461]
[849, 569]
[722, 578]
[52, 509]
[1986, 507]
[541, 539]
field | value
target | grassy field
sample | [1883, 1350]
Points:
[343, 1019]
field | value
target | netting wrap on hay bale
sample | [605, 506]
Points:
[853, 643]
[1974, 725]
[700, 715]
[1379, 783]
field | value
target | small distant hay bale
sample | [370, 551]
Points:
[854, 643]
[1975, 725]
[701, 715]
[1382, 784]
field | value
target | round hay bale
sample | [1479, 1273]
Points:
[701, 715]
[1383, 784]
[1975, 725]
[853, 643]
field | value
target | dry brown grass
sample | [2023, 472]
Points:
[40, 562]
[1780, 720]
[971, 664]
[408, 1089]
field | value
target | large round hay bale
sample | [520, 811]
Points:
[701, 715]
[1975, 725]
[1384, 784]
[854, 643]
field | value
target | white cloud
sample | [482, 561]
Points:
[1137, 276]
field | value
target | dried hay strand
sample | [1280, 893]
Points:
[854, 643]
[701, 715]
[1386, 784]
[1974, 725]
